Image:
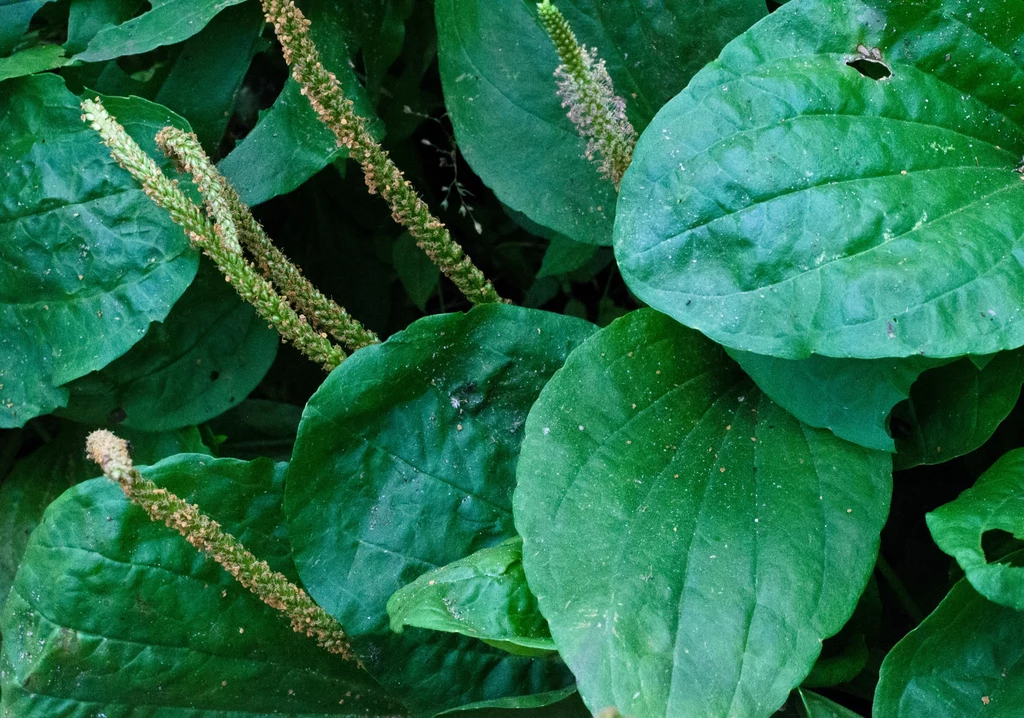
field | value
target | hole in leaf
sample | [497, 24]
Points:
[998, 544]
[117, 416]
[214, 375]
[871, 68]
[773, 5]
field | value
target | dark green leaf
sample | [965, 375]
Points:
[954, 409]
[164, 22]
[88, 17]
[32, 60]
[418, 274]
[114, 614]
[258, 427]
[483, 595]
[42, 476]
[290, 144]
[496, 68]
[816, 706]
[966, 659]
[210, 352]
[204, 80]
[87, 261]
[405, 463]
[15, 16]
[851, 397]
[994, 503]
[554, 704]
[564, 256]
[787, 204]
[689, 542]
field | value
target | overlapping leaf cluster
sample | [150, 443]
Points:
[710, 471]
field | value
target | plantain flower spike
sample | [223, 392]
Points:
[586, 89]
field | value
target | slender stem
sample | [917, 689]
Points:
[336, 111]
[271, 587]
[907, 601]
[214, 241]
[239, 225]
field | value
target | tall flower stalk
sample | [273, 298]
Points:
[218, 240]
[324, 93]
[586, 89]
[111, 453]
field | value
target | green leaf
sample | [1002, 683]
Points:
[418, 274]
[994, 503]
[35, 59]
[88, 17]
[258, 427]
[564, 256]
[87, 261]
[689, 542]
[955, 408]
[816, 706]
[165, 22]
[204, 81]
[785, 204]
[966, 659]
[210, 352]
[15, 16]
[404, 463]
[39, 478]
[562, 703]
[496, 67]
[289, 143]
[483, 595]
[851, 397]
[114, 614]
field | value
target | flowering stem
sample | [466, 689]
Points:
[586, 89]
[271, 587]
[324, 93]
[237, 222]
[217, 242]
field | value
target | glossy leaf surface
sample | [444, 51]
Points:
[995, 502]
[405, 463]
[787, 204]
[497, 67]
[210, 352]
[483, 595]
[186, 638]
[688, 541]
[87, 261]
[955, 408]
[965, 659]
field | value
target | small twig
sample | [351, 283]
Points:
[237, 222]
[271, 587]
[215, 241]
[336, 111]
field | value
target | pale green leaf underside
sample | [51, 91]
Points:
[965, 660]
[404, 463]
[497, 68]
[483, 595]
[996, 501]
[785, 204]
[114, 614]
[657, 499]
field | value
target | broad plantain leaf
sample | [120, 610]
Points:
[210, 352]
[966, 659]
[88, 17]
[789, 205]
[955, 408]
[483, 595]
[15, 16]
[87, 261]
[290, 144]
[816, 706]
[689, 542]
[114, 614]
[35, 59]
[164, 22]
[851, 397]
[42, 476]
[995, 502]
[497, 68]
[563, 703]
[405, 463]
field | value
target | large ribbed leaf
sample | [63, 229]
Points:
[497, 68]
[689, 542]
[787, 204]
[405, 462]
